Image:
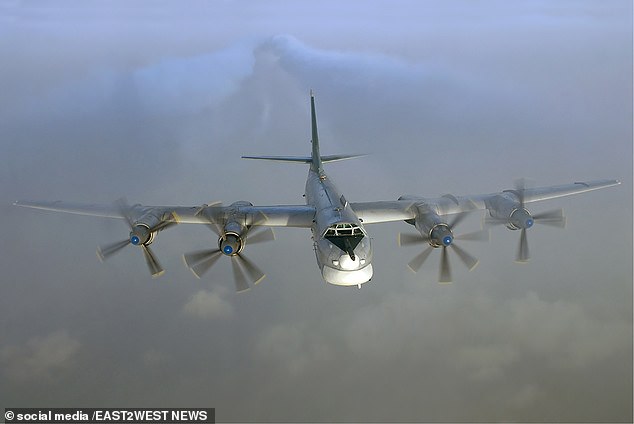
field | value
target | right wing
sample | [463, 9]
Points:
[409, 207]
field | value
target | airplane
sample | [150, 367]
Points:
[340, 240]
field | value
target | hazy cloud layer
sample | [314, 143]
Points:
[39, 358]
[208, 305]
[156, 102]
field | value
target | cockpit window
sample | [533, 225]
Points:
[345, 236]
[343, 230]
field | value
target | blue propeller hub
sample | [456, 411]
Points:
[230, 244]
[440, 235]
[140, 234]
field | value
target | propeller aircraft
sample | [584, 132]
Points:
[341, 243]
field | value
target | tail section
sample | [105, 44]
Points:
[315, 164]
[315, 160]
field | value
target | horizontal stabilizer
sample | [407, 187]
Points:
[303, 159]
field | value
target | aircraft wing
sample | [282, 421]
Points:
[406, 207]
[384, 211]
[272, 216]
[302, 215]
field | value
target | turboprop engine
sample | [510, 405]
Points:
[439, 234]
[234, 229]
[508, 208]
[143, 229]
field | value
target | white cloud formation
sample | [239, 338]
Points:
[447, 96]
[207, 304]
[39, 357]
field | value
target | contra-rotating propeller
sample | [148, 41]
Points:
[140, 235]
[231, 244]
[521, 219]
[441, 236]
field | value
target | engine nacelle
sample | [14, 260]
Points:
[432, 227]
[231, 241]
[507, 207]
[141, 232]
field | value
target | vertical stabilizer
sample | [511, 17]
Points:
[315, 164]
[315, 160]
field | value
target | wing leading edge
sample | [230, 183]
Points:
[300, 216]
[405, 208]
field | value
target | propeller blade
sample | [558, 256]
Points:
[124, 210]
[238, 276]
[553, 218]
[490, 221]
[445, 268]
[201, 261]
[260, 236]
[106, 251]
[164, 224]
[520, 186]
[418, 261]
[256, 274]
[409, 239]
[458, 219]
[152, 263]
[469, 261]
[259, 219]
[206, 213]
[522, 251]
[557, 213]
[482, 235]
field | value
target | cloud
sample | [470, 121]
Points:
[153, 358]
[288, 346]
[486, 362]
[40, 357]
[564, 333]
[170, 86]
[446, 96]
[207, 304]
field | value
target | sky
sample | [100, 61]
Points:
[157, 101]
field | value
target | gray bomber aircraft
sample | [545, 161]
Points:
[340, 240]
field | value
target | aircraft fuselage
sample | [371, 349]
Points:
[342, 247]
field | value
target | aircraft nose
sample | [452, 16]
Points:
[346, 263]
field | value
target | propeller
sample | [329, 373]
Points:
[230, 244]
[140, 235]
[441, 236]
[521, 219]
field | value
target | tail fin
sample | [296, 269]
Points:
[315, 160]
[315, 164]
